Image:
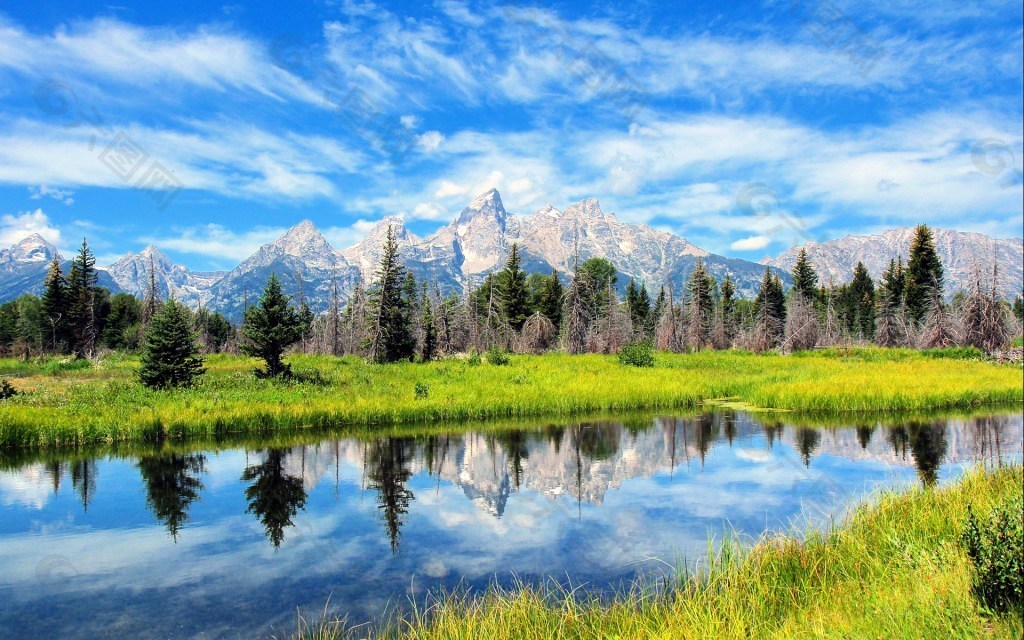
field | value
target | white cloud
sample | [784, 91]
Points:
[751, 244]
[430, 141]
[227, 158]
[216, 241]
[15, 228]
[60, 195]
[149, 58]
[447, 188]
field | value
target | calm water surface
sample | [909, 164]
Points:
[229, 541]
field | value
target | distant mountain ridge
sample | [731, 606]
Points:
[477, 241]
[961, 252]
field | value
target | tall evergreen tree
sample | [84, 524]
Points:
[862, 295]
[429, 347]
[123, 323]
[699, 306]
[769, 311]
[171, 356]
[639, 306]
[391, 336]
[923, 275]
[270, 327]
[82, 281]
[728, 307]
[551, 299]
[515, 297]
[55, 308]
[805, 279]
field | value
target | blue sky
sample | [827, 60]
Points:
[745, 129]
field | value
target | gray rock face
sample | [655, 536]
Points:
[192, 288]
[960, 252]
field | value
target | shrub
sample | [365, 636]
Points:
[497, 357]
[7, 390]
[422, 391]
[473, 359]
[637, 354]
[996, 547]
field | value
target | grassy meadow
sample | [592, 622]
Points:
[894, 569]
[81, 402]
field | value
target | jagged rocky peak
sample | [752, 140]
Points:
[486, 206]
[34, 248]
[304, 239]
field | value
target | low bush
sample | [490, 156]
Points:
[637, 354]
[7, 390]
[995, 544]
[497, 357]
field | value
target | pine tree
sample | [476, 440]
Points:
[55, 308]
[551, 299]
[862, 295]
[923, 275]
[391, 337]
[429, 348]
[515, 297]
[805, 279]
[769, 311]
[270, 327]
[81, 300]
[728, 308]
[699, 306]
[171, 355]
[639, 306]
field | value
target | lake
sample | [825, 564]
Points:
[230, 539]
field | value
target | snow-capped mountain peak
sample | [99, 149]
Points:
[34, 248]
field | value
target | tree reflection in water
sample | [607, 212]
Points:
[387, 464]
[274, 495]
[172, 484]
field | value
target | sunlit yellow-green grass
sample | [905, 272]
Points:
[894, 569]
[63, 403]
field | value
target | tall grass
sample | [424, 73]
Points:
[894, 569]
[105, 403]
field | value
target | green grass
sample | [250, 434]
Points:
[894, 569]
[63, 404]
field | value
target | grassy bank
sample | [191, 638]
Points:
[894, 569]
[70, 404]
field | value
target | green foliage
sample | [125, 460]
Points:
[170, 358]
[123, 329]
[955, 353]
[995, 544]
[638, 304]
[473, 359]
[497, 357]
[551, 298]
[421, 391]
[637, 354]
[271, 327]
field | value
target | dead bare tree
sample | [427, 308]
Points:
[802, 328]
[938, 330]
[538, 335]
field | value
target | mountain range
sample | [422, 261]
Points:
[459, 256]
[961, 253]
